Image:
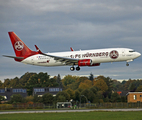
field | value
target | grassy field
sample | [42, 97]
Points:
[75, 116]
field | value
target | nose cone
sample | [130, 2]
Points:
[138, 54]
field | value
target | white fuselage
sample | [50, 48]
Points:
[96, 55]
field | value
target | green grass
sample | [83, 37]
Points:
[74, 116]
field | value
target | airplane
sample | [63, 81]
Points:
[71, 58]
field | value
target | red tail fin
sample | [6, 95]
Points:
[20, 48]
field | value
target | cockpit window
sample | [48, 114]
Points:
[132, 51]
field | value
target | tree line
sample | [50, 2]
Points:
[95, 89]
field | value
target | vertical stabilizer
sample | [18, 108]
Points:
[20, 48]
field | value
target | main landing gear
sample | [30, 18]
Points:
[73, 68]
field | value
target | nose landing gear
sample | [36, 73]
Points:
[127, 64]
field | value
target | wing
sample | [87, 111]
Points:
[65, 60]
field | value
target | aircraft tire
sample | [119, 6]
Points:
[127, 64]
[78, 68]
[72, 68]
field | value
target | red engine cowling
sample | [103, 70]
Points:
[95, 64]
[85, 62]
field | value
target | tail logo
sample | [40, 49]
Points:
[19, 46]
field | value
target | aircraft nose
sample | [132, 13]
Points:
[138, 54]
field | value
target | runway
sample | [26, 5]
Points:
[76, 110]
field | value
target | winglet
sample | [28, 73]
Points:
[38, 50]
[71, 49]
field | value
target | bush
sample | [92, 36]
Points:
[6, 106]
[47, 98]
[16, 98]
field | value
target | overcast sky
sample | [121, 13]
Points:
[57, 25]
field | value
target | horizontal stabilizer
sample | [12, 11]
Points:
[14, 57]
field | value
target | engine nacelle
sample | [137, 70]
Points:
[85, 62]
[95, 64]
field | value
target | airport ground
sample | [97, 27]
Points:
[89, 114]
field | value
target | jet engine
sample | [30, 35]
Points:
[85, 62]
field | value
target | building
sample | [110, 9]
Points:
[134, 97]
[8, 92]
[41, 91]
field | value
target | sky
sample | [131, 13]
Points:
[57, 25]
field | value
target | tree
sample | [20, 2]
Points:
[109, 82]
[24, 79]
[77, 82]
[53, 82]
[1, 98]
[88, 94]
[61, 98]
[43, 79]
[101, 85]
[123, 82]
[81, 79]
[139, 89]
[99, 97]
[40, 80]
[77, 95]
[59, 81]
[127, 84]
[6, 83]
[85, 84]
[94, 89]
[1, 84]
[14, 82]
[115, 97]
[37, 99]
[117, 85]
[32, 82]
[70, 92]
[91, 77]
[132, 87]
[47, 98]
[64, 94]
[69, 79]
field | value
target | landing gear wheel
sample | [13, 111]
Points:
[127, 64]
[78, 68]
[72, 68]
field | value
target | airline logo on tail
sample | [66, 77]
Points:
[19, 46]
